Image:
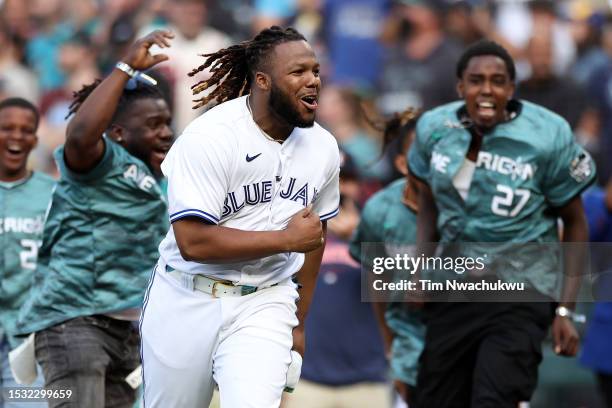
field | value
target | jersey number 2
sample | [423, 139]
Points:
[502, 204]
[29, 254]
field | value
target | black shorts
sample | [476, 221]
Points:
[481, 355]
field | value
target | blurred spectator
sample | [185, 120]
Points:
[586, 31]
[559, 94]
[43, 49]
[352, 32]
[233, 17]
[344, 363]
[544, 20]
[272, 12]
[119, 24]
[418, 70]
[460, 24]
[341, 113]
[308, 20]
[18, 80]
[517, 22]
[193, 37]
[600, 93]
[77, 61]
[16, 17]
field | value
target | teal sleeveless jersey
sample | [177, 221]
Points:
[22, 212]
[526, 167]
[387, 221]
[100, 241]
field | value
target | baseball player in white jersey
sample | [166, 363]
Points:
[251, 184]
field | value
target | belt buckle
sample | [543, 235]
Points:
[214, 288]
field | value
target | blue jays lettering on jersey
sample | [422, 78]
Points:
[525, 168]
[23, 205]
[233, 176]
[100, 240]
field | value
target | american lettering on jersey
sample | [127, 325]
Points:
[144, 181]
[25, 225]
[514, 168]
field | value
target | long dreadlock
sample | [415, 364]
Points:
[232, 68]
[138, 91]
[397, 129]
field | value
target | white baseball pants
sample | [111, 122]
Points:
[192, 340]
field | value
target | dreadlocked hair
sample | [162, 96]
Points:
[232, 68]
[136, 92]
[395, 130]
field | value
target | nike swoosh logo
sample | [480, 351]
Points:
[251, 158]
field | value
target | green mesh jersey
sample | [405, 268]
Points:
[526, 167]
[385, 219]
[22, 212]
[100, 240]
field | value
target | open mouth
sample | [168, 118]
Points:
[310, 102]
[15, 150]
[485, 109]
[160, 152]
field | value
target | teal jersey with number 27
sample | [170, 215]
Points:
[526, 167]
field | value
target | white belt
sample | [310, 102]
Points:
[217, 288]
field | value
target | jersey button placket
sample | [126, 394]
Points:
[279, 177]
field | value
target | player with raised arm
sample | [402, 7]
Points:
[499, 171]
[107, 216]
[251, 184]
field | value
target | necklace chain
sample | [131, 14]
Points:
[263, 132]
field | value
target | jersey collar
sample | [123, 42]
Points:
[12, 184]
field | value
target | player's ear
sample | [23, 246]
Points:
[460, 89]
[116, 133]
[263, 81]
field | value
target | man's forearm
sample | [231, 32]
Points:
[307, 278]
[218, 244]
[575, 234]
[574, 257]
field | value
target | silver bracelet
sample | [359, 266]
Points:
[132, 73]
[563, 311]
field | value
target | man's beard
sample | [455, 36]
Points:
[282, 105]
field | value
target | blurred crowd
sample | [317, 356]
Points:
[378, 57]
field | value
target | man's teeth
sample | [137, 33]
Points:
[486, 105]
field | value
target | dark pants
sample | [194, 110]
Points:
[605, 386]
[91, 356]
[481, 355]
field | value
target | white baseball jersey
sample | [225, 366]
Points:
[223, 170]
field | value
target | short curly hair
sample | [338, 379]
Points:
[485, 47]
